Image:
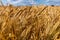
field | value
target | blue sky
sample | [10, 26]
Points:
[31, 2]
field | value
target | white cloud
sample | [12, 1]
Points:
[14, 2]
[46, 0]
[32, 1]
[55, 0]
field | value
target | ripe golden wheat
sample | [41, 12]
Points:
[30, 23]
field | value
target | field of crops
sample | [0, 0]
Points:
[30, 23]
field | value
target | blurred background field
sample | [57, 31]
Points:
[30, 23]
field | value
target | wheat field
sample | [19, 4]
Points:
[30, 23]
